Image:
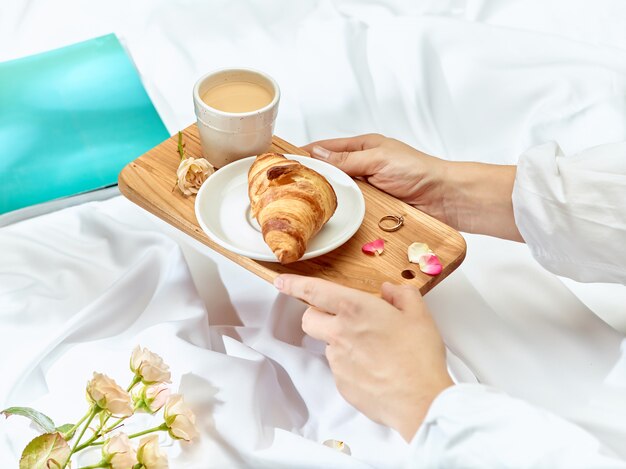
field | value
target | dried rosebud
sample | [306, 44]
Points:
[150, 455]
[108, 395]
[150, 398]
[374, 248]
[118, 452]
[149, 366]
[180, 420]
[191, 173]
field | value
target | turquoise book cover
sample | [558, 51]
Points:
[70, 120]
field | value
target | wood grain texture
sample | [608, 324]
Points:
[148, 181]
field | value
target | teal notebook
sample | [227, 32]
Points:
[70, 119]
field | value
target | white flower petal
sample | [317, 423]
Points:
[338, 445]
[416, 250]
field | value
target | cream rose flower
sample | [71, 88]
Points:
[149, 366]
[108, 395]
[150, 455]
[118, 452]
[150, 398]
[180, 420]
[191, 173]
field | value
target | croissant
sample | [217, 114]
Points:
[291, 203]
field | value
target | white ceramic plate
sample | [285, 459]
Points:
[223, 211]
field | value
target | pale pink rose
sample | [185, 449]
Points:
[150, 398]
[179, 419]
[149, 366]
[119, 453]
[150, 455]
[108, 395]
[156, 396]
[191, 173]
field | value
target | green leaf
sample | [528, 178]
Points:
[64, 429]
[47, 451]
[44, 422]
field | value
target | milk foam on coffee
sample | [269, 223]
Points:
[237, 96]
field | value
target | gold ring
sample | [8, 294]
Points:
[398, 222]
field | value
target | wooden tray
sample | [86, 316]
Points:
[148, 182]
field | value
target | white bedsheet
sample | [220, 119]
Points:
[466, 80]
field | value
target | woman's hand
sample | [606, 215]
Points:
[386, 354]
[471, 197]
[391, 166]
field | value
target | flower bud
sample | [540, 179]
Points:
[118, 452]
[180, 420]
[150, 398]
[149, 366]
[150, 455]
[108, 395]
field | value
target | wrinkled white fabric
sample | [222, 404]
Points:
[477, 426]
[262, 391]
[463, 79]
[571, 210]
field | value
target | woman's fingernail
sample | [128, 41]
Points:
[319, 152]
[278, 282]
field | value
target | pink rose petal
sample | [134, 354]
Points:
[420, 253]
[430, 264]
[374, 248]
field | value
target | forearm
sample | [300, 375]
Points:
[477, 199]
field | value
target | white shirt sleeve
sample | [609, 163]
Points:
[471, 425]
[571, 210]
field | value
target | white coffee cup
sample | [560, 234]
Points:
[228, 136]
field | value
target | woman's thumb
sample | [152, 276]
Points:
[401, 296]
[353, 163]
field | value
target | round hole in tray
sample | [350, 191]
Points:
[408, 274]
